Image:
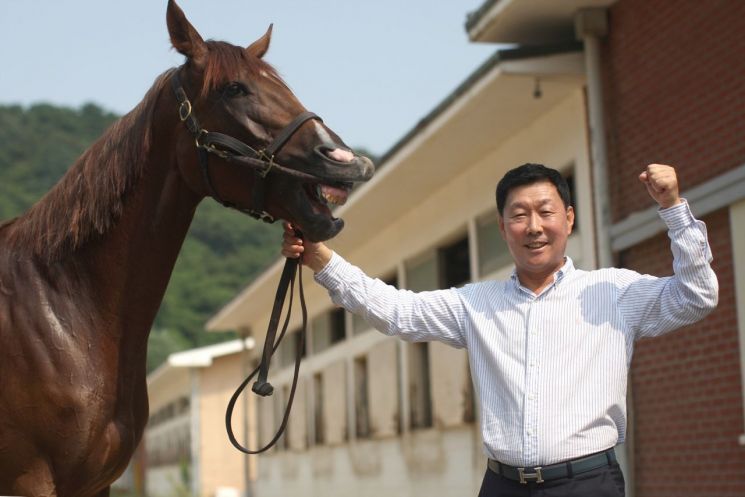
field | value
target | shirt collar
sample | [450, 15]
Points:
[559, 275]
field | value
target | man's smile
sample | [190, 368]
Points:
[536, 245]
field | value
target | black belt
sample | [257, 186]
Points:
[539, 474]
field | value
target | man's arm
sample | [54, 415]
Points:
[424, 316]
[653, 306]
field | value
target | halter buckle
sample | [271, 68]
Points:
[269, 159]
[198, 139]
[184, 110]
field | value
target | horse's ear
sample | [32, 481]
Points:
[184, 37]
[260, 46]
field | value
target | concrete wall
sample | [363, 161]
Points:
[423, 463]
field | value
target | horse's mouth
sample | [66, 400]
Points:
[313, 213]
[323, 197]
[313, 210]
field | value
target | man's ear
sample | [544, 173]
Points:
[500, 222]
[570, 218]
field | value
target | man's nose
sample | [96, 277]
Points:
[534, 224]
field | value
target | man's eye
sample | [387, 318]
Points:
[235, 89]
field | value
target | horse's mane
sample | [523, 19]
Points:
[89, 198]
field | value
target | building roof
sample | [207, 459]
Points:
[199, 357]
[499, 57]
[526, 21]
[203, 356]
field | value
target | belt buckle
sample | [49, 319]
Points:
[524, 477]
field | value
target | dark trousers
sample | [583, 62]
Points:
[602, 482]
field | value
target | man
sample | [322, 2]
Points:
[550, 348]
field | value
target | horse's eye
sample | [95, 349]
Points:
[235, 89]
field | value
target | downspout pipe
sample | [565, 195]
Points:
[590, 25]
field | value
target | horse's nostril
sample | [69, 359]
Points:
[338, 154]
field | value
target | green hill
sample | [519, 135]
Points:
[223, 251]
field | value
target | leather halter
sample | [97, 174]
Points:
[233, 150]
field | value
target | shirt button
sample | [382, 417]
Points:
[530, 433]
[531, 396]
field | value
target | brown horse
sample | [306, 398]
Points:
[83, 272]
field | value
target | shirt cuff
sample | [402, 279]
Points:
[678, 216]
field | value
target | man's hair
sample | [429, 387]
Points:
[528, 174]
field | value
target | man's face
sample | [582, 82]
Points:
[536, 225]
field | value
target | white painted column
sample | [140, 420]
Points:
[737, 229]
[591, 24]
[196, 445]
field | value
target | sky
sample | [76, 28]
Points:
[370, 69]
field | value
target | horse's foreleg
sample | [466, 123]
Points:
[36, 481]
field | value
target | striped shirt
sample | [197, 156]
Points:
[550, 370]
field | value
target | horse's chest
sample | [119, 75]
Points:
[98, 439]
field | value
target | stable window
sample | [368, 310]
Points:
[362, 411]
[319, 329]
[284, 441]
[455, 265]
[319, 434]
[327, 329]
[422, 273]
[337, 331]
[420, 394]
[289, 346]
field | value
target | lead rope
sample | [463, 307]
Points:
[292, 268]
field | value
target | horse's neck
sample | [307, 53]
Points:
[133, 262]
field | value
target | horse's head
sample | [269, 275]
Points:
[233, 93]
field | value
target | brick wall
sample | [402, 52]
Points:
[673, 82]
[674, 86]
[686, 388]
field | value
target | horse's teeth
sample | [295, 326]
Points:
[332, 199]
